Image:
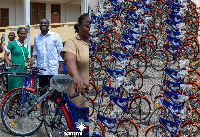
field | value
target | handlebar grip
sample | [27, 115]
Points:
[77, 94]
[74, 95]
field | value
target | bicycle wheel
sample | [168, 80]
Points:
[133, 77]
[27, 122]
[193, 76]
[194, 42]
[95, 65]
[187, 51]
[194, 90]
[157, 101]
[146, 49]
[104, 53]
[96, 128]
[54, 120]
[192, 129]
[2, 88]
[112, 63]
[154, 117]
[157, 131]
[155, 89]
[92, 91]
[127, 128]
[91, 107]
[195, 102]
[139, 62]
[159, 60]
[139, 107]
[157, 31]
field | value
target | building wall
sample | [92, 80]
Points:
[72, 12]
[15, 18]
[69, 13]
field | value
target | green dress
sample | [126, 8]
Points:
[17, 58]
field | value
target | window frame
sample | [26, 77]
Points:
[38, 11]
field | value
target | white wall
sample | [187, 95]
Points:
[74, 13]
[69, 13]
[15, 18]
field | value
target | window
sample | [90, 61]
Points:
[38, 11]
[4, 18]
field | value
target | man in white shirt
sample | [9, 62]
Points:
[47, 47]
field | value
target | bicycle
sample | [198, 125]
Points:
[60, 116]
[28, 98]
[117, 125]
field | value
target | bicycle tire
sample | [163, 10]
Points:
[127, 127]
[187, 51]
[139, 62]
[104, 53]
[139, 107]
[93, 92]
[192, 127]
[134, 78]
[159, 60]
[146, 49]
[95, 65]
[2, 88]
[91, 107]
[157, 130]
[154, 116]
[54, 125]
[194, 42]
[97, 129]
[155, 89]
[11, 126]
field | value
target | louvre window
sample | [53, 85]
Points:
[4, 18]
[38, 12]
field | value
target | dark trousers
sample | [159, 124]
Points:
[44, 80]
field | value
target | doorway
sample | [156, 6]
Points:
[55, 15]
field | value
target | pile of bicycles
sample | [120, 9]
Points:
[176, 104]
[125, 38]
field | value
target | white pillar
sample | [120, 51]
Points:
[27, 23]
[84, 6]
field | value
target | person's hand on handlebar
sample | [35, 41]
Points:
[9, 64]
[30, 61]
[80, 85]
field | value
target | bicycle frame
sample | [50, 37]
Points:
[70, 113]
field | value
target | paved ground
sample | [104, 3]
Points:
[4, 133]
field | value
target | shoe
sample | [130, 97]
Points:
[11, 116]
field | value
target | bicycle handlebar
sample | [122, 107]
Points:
[27, 67]
[77, 94]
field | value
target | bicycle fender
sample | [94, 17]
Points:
[130, 121]
[67, 115]
[188, 122]
[153, 126]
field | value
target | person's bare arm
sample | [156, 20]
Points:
[6, 58]
[60, 69]
[1, 45]
[79, 83]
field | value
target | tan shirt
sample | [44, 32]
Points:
[81, 50]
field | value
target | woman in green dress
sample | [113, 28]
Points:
[19, 51]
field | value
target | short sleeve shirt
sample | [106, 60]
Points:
[79, 48]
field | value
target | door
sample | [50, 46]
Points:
[55, 14]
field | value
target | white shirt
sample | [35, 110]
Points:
[47, 48]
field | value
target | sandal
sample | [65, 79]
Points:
[11, 116]
[18, 112]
